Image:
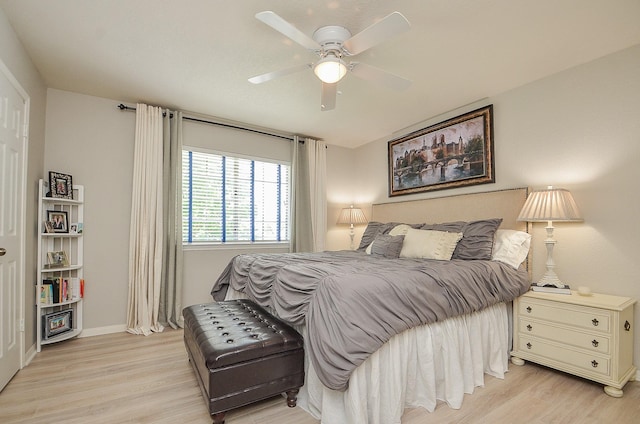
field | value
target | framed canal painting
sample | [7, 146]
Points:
[455, 153]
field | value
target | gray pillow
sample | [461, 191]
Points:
[373, 229]
[387, 246]
[477, 239]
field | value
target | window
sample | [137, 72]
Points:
[233, 199]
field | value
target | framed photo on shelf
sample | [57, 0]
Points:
[48, 227]
[57, 259]
[59, 221]
[57, 323]
[75, 228]
[60, 185]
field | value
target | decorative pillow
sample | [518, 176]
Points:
[511, 247]
[429, 244]
[477, 242]
[387, 246]
[377, 228]
[373, 229]
[399, 230]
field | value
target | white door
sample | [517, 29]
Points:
[13, 109]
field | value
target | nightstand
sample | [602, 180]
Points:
[588, 336]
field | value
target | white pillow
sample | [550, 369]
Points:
[400, 230]
[429, 244]
[511, 247]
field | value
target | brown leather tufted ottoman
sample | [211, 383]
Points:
[241, 354]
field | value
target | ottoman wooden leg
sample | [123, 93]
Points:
[292, 398]
[218, 418]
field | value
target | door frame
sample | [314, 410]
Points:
[23, 205]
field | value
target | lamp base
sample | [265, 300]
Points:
[550, 279]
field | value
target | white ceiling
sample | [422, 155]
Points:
[196, 55]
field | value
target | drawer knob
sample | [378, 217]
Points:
[529, 309]
[529, 327]
[595, 343]
[529, 345]
[595, 322]
[627, 326]
[594, 363]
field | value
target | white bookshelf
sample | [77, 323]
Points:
[58, 307]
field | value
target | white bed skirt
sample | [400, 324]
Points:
[439, 361]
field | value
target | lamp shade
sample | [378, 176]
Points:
[330, 69]
[352, 215]
[552, 204]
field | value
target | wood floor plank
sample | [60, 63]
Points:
[123, 378]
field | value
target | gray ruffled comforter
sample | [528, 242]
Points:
[353, 303]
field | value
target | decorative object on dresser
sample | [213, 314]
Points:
[551, 289]
[587, 336]
[352, 216]
[59, 280]
[552, 204]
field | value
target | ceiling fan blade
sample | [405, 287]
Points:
[328, 101]
[276, 22]
[389, 26]
[258, 79]
[377, 75]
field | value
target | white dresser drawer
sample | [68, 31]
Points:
[590, 341]
[587, 318]
[571, 357]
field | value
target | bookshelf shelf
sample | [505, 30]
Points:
[59, 288]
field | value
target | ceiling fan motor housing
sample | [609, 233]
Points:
[331, 38]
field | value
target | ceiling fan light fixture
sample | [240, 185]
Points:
[330, 69]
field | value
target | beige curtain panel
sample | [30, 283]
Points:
[146, 233]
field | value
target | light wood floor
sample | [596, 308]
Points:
[122, 378]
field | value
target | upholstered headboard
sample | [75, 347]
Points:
[505, 204]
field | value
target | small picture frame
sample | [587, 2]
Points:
[60, 185]
[59, 221]
[75, 228]
[48, 227]
[57, 323]
[57, 259]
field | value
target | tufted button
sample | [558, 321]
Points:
[247, 329]
[229, 341]
[219, 327]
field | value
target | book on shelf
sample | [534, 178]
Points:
[550, 288]
[45, 294]
[60, 290]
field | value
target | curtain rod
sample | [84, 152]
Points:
[125, 107]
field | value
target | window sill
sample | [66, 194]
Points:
[236, 246]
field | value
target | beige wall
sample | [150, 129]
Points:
[578, 129]
[14, 57]
[91, 139]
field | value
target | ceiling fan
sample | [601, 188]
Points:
[334, 43]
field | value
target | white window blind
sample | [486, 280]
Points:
[231, 199]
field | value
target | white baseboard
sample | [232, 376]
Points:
[29, 355]
[99, 331]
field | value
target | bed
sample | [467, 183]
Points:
[419, 313]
